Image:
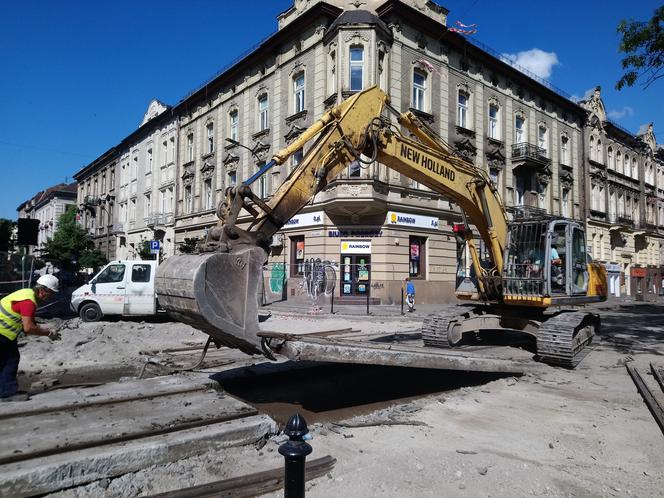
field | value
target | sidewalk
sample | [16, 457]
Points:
[421, 310]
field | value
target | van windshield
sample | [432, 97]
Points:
[111, 274]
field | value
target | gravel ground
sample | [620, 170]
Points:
[582, 432]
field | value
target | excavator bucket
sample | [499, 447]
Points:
[216, 293]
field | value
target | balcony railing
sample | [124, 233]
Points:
[525, 150]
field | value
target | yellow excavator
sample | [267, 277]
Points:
[536, 273]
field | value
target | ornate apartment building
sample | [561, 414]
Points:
[625, 216]
[375, 226]
[47, 206]
[96, 201]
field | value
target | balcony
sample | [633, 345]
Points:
[528, 153]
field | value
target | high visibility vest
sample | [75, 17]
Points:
[11, 323]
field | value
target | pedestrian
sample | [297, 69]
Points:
[17, 314]
[410, 295]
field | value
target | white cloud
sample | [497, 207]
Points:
[534, 60]
[586, 96]
[625, 111]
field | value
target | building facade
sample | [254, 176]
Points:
[372, 225]
[625, 212]
[97, 201]
[47, 206]
[146, 183]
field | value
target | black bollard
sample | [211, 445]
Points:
[332, 307]
[295, 452]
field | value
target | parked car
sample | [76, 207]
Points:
[122, 287]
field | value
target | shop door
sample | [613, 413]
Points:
[355, 274]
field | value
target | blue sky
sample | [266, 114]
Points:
[78, 75]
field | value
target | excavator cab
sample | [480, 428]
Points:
[545, 260]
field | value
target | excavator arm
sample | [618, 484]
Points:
[217, 290]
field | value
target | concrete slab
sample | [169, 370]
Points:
[30, 436]
[74, 468]
[78, 397]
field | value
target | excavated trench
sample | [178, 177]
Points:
[324, 392]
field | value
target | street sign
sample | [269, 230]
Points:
[154, 246]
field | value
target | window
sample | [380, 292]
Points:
[416, 256]
[462, 110]
[162, 201]
[332, 75]
[619, 163]
[103, 183]
[263, 113]
[262, 183]
[171, 150]
[419, 90]
[356, 69]
[149, 165]
[210, 138]
[564, 152]
[354, 169]
[140, 273]
[164, 153]
[132, 210]
[494, 174]
[111, 274]
[298, 92]
[232, 178]
[599, 155]
[297, 256]
[564, 207]
[234, 125]
[190, 147]
[296, 159]
[208, 194]
[494, 123]
[592, 148]
[134, 168]
[148, 204]
[609, 155]
[519, 127]
[188, 199]
[543, 139]
[170, 200]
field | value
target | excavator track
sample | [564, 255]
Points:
[435, 327]
[561, 339]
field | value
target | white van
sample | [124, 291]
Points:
[120, 288]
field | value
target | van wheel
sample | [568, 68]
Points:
[90, 313]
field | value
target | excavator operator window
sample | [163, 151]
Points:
[524, 271]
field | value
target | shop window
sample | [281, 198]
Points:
[417, 257]
[297, 256]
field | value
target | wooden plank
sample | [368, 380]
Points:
[647, 396]
[112, 392]
[254, 484]
[356, 352]
[657, 373]
[30, 436]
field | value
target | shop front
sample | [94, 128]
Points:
[355, 268]
[638, 285]
[613, 277]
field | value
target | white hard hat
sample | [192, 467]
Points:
[50, 282]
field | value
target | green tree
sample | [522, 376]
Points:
[71, 246]
[643, 44]
[189, 245]
[144, 250]
[6, 235]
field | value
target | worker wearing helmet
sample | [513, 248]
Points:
[17, 314]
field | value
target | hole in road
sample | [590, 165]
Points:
[332, 392]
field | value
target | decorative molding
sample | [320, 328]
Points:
[466, 148]
[231, 159]
[293, 133]
[495, 156]
[298, 116]
[260, 150]
[260, 134]
[422, 40]
[298, 67]
[356, 37]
